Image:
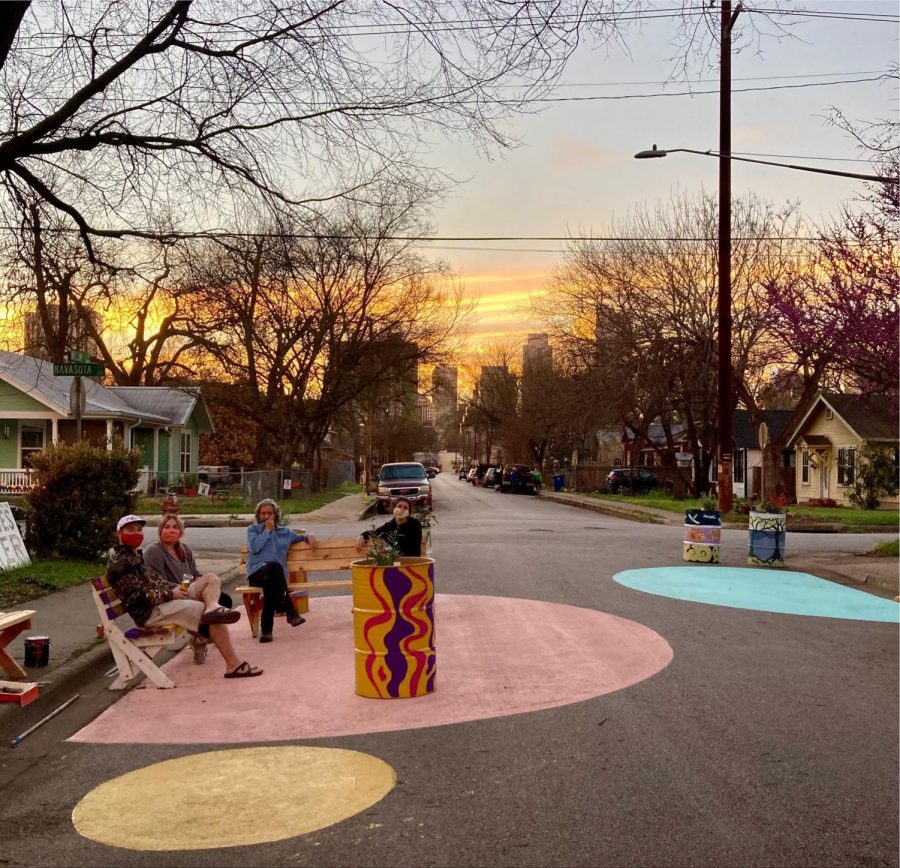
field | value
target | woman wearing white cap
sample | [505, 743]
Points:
[152, 601]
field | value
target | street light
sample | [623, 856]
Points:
[664, 152]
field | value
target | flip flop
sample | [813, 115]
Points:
[245, 670]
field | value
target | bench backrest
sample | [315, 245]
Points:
[111, 607]
[331, 554]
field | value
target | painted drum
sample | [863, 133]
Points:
[702, 536]
[767, 538]
[393, 629]
[37, 650]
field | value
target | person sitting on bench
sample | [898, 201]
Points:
[174, 561]
[152, 601]
[268, 544]
[407, 528]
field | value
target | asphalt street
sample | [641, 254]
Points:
[768, 739]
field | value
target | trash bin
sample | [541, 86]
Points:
[558, 481]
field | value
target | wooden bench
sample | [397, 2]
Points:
[133, 648]
[331, 555]
[11, 624]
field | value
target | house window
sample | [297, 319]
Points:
[740, 460]
[846, 466]
[804, 466]
[185, 453]
[32, 441]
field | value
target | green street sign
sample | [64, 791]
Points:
[79, 356]
[77, 369]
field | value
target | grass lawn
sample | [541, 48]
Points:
[886, 549]
[845, 515]
[237, 505]
[44, 577]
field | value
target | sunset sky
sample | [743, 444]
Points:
[574, 170]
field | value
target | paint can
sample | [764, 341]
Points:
[393, 629]
[37, 651]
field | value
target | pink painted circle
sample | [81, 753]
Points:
[495, 656]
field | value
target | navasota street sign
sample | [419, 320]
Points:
[77, 369]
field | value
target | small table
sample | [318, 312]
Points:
[11, 624]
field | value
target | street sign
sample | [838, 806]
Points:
[79, 356]
[77, 369]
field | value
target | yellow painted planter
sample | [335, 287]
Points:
[393, 629]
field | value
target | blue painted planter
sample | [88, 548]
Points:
[767, 538]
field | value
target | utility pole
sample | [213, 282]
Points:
[725, 434]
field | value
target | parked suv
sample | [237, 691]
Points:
[637, 479]
[492, 477]
[403, 480]
[518, 479]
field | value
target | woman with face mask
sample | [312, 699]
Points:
[407, 528]
[152, 601]
[174, 561]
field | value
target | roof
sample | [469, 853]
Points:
[745, 433]
[815, 440]
[153, 405]
[175, 404]
[870, 417]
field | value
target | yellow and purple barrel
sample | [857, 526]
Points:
[702, 535]
[393, 629]
[767, 536]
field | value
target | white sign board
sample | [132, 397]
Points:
[12, 550]
[203, 488]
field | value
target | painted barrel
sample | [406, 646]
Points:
[767, 538]
[702, 536]
[37, 651]
[393, 629]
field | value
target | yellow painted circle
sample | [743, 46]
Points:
[232, 797]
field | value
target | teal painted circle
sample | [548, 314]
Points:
[779, 591]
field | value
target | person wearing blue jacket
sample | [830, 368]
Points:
[268, 544]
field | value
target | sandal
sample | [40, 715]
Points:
[221, 616]
[245, 670]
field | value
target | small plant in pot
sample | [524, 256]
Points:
[191, 481]
[383, 550]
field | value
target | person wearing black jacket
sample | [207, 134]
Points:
[407, 528]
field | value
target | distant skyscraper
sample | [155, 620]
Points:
[445, 397]
[36, 344]
[536, 354]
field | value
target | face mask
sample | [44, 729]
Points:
[170, 535]
[133, 540]
[399, 512]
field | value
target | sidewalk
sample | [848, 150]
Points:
[70, 618]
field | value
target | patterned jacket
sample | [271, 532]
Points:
[139, 588]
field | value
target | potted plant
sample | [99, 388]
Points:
[767, 535]
[426, 518]
[191, 481]
[393, 623]
[702, 532]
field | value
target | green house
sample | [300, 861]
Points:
[36, 409]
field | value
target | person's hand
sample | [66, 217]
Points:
[313, 542]
[178, 594]
[269, 525]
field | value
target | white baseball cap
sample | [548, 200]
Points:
[130, 519]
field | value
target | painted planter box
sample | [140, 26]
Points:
[393, 629]
[702, 536]
[767, 537]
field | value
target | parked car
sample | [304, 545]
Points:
[431, 472]
[518, 479]
[492, 477]
[480, 470]
[472, 475]
[464, 473]
[637, 479]
[407, 479]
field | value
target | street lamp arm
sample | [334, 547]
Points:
[661, 152]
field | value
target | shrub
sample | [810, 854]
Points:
[81, 490]
[876, 477]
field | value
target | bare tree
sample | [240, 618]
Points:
[641, 313]
[150, 118]
[303, 326]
